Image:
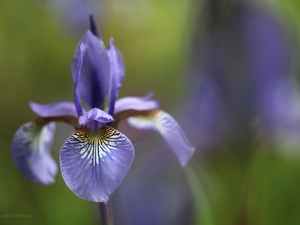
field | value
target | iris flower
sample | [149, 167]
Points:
[95, 159]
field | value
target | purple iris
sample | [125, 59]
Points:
[95, 159]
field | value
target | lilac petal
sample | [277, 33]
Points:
[53, 109]
[136, 103]
[94, 162]
[95, 114]
[77, 102]
[117, 74]
[170, 131]
[31, 147]
[94, 77]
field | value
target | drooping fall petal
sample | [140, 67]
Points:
[31, 147]
[94, 162]
[170, 130]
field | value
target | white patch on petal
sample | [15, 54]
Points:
[169, 129]
[43, 137]
[142, 123]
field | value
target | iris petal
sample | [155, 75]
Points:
[136, 103]
[170, 131]
[95, 114]
[117, 74]
[94, 162]
[31, 146]
[94, 80]
[54, 109]
[79, 62]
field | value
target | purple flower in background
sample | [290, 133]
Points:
[240, 67]
[95, 159]
[275, 90]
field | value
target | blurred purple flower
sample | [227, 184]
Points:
[245, 63]
[96, 158]
[275, 92]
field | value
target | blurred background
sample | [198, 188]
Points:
[227, 70]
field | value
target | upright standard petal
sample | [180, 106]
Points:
[54, 109]
[169, 129]
[94, 162]
[31, 147]
[136, 103]
[117, 74]
[94, 77]
[79, 109]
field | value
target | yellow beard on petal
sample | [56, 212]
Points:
[96, 144]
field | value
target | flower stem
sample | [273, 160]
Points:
[106, 213]
[110, 212]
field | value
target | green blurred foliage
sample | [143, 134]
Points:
[35, 54]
